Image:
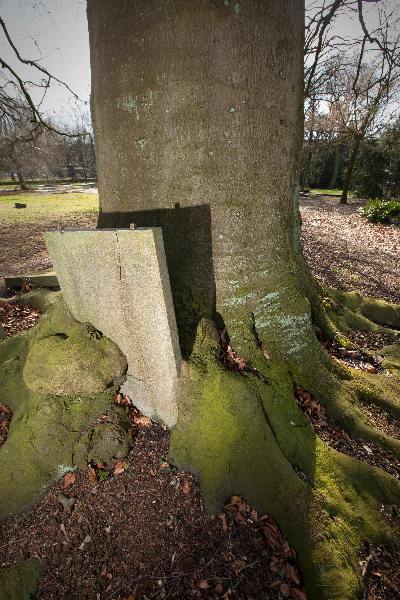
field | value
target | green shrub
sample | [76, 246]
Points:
[382, 211]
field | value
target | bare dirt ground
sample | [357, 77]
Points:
[22, 245]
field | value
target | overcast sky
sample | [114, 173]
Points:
[55, 32]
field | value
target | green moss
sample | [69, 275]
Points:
[381, 312]
[73, 365]
[354, 311]
[41, 298]
[46, 429]
[105, 441]
[19, 582]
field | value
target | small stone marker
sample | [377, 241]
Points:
[118, 281]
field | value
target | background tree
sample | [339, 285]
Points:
[356, 75]
[23, 121]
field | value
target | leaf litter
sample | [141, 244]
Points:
[144, 533]
[348, 443]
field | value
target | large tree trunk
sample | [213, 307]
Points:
[204, 111]
[198, 113]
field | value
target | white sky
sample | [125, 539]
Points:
[55, 32]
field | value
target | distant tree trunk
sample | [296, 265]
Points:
[198, 119]
[307, 165]
[21, 180]
[335, 171]
[349, 171]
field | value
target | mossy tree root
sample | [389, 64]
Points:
[55, 400]
[243, 436]
[341, 311]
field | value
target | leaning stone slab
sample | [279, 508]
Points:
[41, 279]
[118, 281]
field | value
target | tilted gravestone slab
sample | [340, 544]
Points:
[118, 281]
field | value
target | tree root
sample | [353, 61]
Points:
[244, 436]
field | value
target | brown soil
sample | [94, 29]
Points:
[347, 252]
[144, 534]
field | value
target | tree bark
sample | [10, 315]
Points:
[209, 110]
[335, 171]
[21, 180]
[198, 122]
[349, 171]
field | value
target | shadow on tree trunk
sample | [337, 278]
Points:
[188, 248]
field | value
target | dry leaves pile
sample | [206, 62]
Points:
[356, 359]
[144, 534]
[341, 440]
[380, 570]
[228, 356]
[283, 574]
[5, 420]
[15, 318]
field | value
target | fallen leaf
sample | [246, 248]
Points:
[284, 590]
[186, 487]
[298, 594]
[91, 474]
[237, 566]
[367, 448]
[204, 585]
[119, 468]
[292, 574]
[69, 480]
[66, 501]
[254, 515]
[85, 541]
[369, 368]
[62, 527]
[142, 421]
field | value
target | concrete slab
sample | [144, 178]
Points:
[118, 281]
[42, 279]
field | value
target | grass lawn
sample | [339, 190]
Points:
[334, 192]
[42, 207]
